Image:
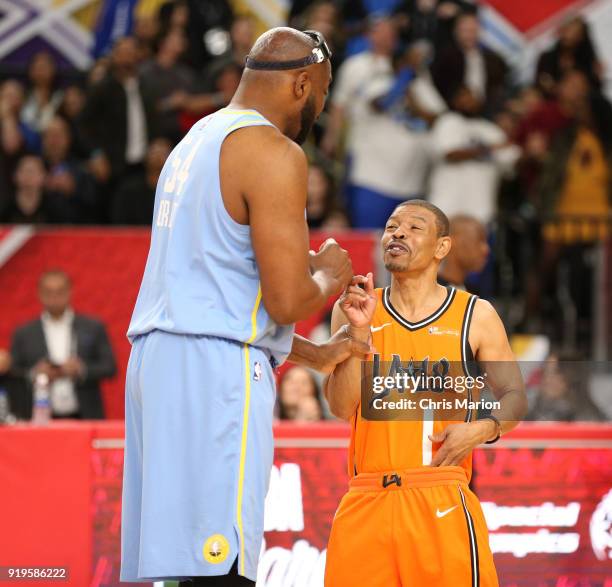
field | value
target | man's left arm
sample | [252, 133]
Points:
[102, 362]
[491, 347]
[325, 356]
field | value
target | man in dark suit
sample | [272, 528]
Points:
[71, 349]
[464, 62]
[118, 121]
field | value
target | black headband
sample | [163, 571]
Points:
[320, 53]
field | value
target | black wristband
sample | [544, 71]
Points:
[498, 424]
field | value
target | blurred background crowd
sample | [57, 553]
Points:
[419, 108]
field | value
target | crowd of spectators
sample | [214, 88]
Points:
[419, 108]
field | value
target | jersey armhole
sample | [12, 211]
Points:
[468, 359]
[245, 228]
[470, 367]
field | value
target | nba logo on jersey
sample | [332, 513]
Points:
[257, 371]
[442, 331]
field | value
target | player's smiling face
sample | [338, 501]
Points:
[410, 240]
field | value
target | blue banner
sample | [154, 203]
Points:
[116, 20]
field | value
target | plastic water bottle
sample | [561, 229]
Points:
[4, 406]
[41, 409]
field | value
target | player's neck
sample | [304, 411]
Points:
[243, 100]
[416, 297]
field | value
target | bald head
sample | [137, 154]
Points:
[470, 248]
[460, 223]
[277, 80]
[282, 44]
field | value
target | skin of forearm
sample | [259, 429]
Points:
[512, 410]
[468, 154]
[311, 298]
[304, 352]
[308, 297]
[343, 386]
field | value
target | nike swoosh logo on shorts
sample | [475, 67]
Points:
[377, 328]
[440, 514]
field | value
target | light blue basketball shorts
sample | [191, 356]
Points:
[198, 454]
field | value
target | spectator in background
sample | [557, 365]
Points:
[168, 82]
[465, 62]
[173, 14]
[28, 204]
[423, 96]
[135, 197]
[70, 110]
[71, 349]
[118, 118]
[347, 98]
[322, 208]
[562, 392]
[573, 50]
[15, 137]
[574, 194]
[546, 119]
[242, 36]
[207, 29]
[43, 97]
[431, 20]
[298, 396]
[390, 158]
[71, 193]
[471, 153]
[577, 175]
[551, 398]
[468, 254]
[223, 77]
[229, 62]
[322, 16]
[146, 30]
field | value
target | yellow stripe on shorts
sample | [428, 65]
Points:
[245, 423]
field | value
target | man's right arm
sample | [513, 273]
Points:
[273, 182]
[343, 386]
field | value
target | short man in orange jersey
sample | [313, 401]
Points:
[409, 518]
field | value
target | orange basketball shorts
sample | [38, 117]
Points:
[414, 528]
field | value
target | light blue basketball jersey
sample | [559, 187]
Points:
[201, 276]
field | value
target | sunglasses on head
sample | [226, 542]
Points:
[320, 53]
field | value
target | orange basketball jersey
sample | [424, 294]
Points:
[440, 340]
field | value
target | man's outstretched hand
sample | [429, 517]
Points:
[340, 347]
[359, 304]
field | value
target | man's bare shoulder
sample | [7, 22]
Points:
[263, 149]
[484, 312]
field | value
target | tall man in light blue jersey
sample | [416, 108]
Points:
[228, 274]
